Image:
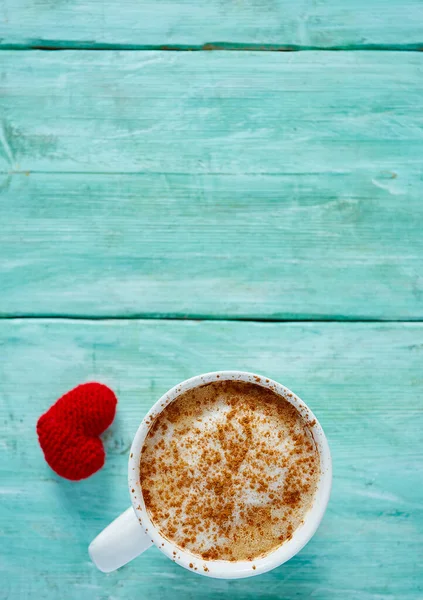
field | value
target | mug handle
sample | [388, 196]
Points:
[121, 541]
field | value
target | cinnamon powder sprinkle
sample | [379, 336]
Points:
[228, 471]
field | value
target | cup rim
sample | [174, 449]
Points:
[221, 568]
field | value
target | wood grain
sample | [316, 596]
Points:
[320, 246]
[363, 381]
[223, 113]
[246, 185]
[141, 23]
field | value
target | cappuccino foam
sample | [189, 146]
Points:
[229, 470]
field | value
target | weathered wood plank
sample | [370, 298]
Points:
[326, 245]
[258, 185]
[233, 113]
[326, 23]
[363, 381]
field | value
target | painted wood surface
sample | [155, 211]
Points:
[321, 246]
[364, 381]
[304, 23]
[240, 185]
[213, 112]
[244, 184]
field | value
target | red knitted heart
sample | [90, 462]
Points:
[68, 432]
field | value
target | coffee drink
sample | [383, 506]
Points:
[229, 470]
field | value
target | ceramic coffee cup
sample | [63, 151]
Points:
[132, 533]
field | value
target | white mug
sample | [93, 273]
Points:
[133, 532]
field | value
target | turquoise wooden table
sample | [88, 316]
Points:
[166, 210]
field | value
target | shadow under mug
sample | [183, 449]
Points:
[133, 532]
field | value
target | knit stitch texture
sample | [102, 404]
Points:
[69, 431]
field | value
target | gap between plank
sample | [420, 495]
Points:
[57, 45]
[203, 318]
